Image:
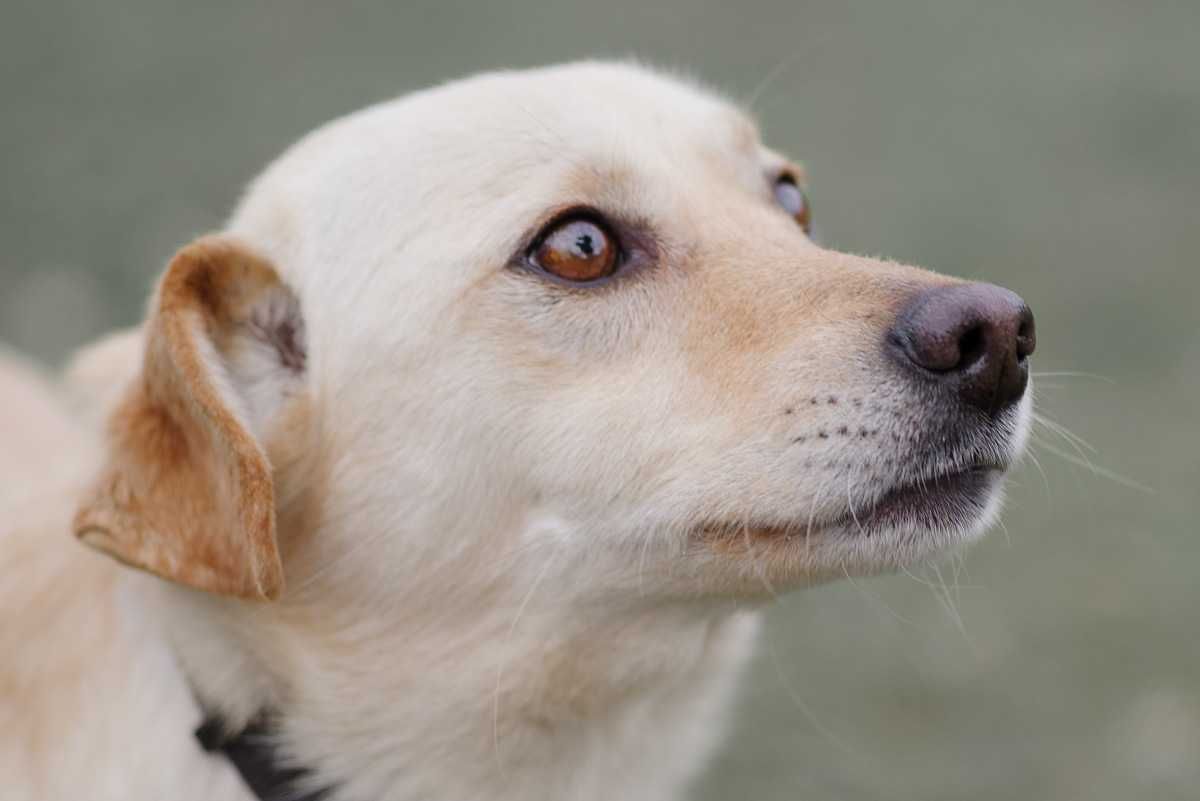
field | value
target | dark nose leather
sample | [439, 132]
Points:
[974, 339]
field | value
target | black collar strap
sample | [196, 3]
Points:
[253, 753]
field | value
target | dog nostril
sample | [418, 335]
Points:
[970, 348]
[1026, 335]
[972, 338]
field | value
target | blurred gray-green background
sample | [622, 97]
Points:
[1050, 146]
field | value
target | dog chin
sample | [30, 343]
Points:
[906, 527]
[913, 540]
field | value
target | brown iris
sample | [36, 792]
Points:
[791, 197]
[576, 250]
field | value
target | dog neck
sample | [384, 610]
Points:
[567, 702]
[525, 689]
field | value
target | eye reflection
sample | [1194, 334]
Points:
[792, 199]
[577, 250]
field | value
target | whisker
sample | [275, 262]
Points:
[758, 568]
[947, 602]
[1037, 463]
[916, 578]
[955, 566]
[1004, 528]
[805, 710]
[812, 511]
[850, 502]
[772, 75]
[1074, 374]
[1099, 471]
[877, 599]
[1064, 432]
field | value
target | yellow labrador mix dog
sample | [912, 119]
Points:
[464, 458]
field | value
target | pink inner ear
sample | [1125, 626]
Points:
[263, 362]
[275, 320]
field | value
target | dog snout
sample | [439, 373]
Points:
[974, 339]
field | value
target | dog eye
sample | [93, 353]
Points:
[577, 250]
[791, 197]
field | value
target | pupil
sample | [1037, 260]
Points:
[584, 244]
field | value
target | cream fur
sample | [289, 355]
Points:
[488, 489]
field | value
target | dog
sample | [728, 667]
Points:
[461, 462]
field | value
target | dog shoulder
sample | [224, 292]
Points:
[86, 679]
[36, 432]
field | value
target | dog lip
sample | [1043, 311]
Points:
[952, 498]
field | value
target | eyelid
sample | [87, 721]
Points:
[798, 172]
[791, 176]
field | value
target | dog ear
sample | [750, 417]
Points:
[187, 492]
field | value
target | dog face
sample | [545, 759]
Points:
[567, 322]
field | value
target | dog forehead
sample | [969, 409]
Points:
[509, 136]
[596, 109]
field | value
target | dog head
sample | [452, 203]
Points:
[567, 323]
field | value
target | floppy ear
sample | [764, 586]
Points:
[187, 492]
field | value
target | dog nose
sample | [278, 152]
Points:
[972, 338]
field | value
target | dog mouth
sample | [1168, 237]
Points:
[955, 500]
[950, 500]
